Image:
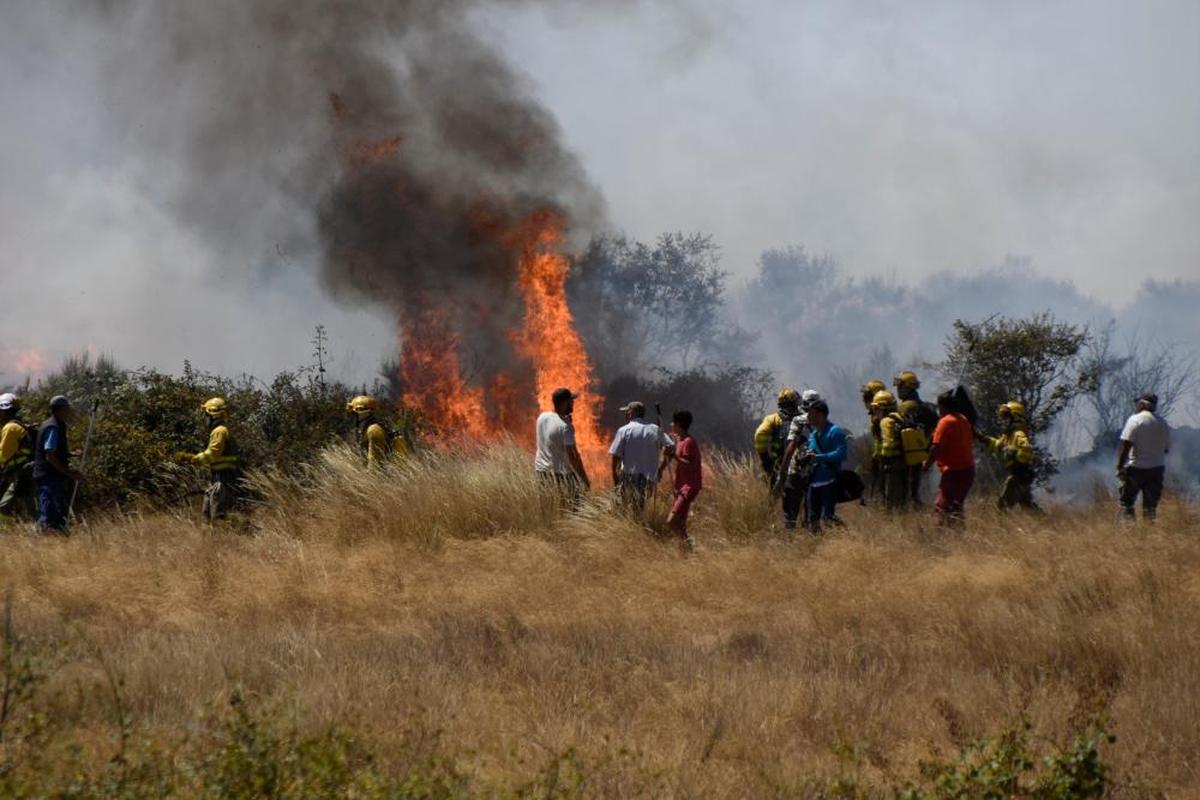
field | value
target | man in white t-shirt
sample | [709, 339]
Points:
[556, 458]
[635, 453]
[1142, 459]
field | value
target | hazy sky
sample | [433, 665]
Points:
[903, 137]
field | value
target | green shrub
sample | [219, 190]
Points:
[143, 417]
[1007, 767]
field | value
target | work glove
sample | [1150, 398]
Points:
[181, 457]
[768, 463]
[1121, 473]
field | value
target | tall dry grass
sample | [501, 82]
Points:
[453, 590]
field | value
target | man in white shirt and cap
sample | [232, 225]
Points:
[635, 454]
[1142, 458]
[556, 459]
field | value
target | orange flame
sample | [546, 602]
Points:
[433, 381]
[502, 403]
[549, 337]
[27, 363]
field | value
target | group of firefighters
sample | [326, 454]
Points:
[801, 452]
[903, 428]
[36, 469]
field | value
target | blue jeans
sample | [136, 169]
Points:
[52, 504]
[819, 505]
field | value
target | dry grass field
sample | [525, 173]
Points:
[448, 618]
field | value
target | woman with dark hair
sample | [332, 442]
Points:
[953, 452]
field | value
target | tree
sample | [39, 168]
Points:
[1036, 361]
[1169, 371]
[644, 307]
[728, 401]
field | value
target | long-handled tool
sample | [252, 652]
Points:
[654, 486]
[87, 446]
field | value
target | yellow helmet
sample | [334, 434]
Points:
[869, 389]
[907, 380]
[788, 397]
[882, 400]
[909, 407]
[1014, 409]
[363, 404]
[215, 407]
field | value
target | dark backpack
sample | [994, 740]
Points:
[848, 487]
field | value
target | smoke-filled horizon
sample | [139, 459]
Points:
[187, 180]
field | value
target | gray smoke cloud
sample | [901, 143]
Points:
[172, 171]
[385, 135]
[375, 150]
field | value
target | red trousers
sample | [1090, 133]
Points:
[952, 494]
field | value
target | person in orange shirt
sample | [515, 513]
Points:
[953, 451]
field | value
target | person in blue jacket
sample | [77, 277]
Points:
[827, 448]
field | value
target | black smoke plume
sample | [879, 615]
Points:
[383, 140]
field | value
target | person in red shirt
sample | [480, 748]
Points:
[689, 479]
[954, 453]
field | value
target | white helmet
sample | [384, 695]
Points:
[809, 397]
[8, 401]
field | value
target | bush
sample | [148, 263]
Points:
[142, 417]
[1006, 766]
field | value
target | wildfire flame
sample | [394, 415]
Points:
[432, 372]
[529, 355]
[549, 337]
[23, 363]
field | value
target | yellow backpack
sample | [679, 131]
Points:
[915, 443]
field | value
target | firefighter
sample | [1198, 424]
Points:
[770, 438]
[890, 451]
[875, 484]
[374, 439]
[222, 459]
[16, 463]
[1015, 449]
[907, 383]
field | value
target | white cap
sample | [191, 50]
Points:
[810, 396]
[8, 401]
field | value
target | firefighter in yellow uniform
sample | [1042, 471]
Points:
[16, 464]
[222, 459]
[875, 484]
[770, 438]
[890, 450]
[1015, 449]
[907, 383]
[376, 441]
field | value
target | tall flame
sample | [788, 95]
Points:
[548, 336]
[529, 356]
[547, 339]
